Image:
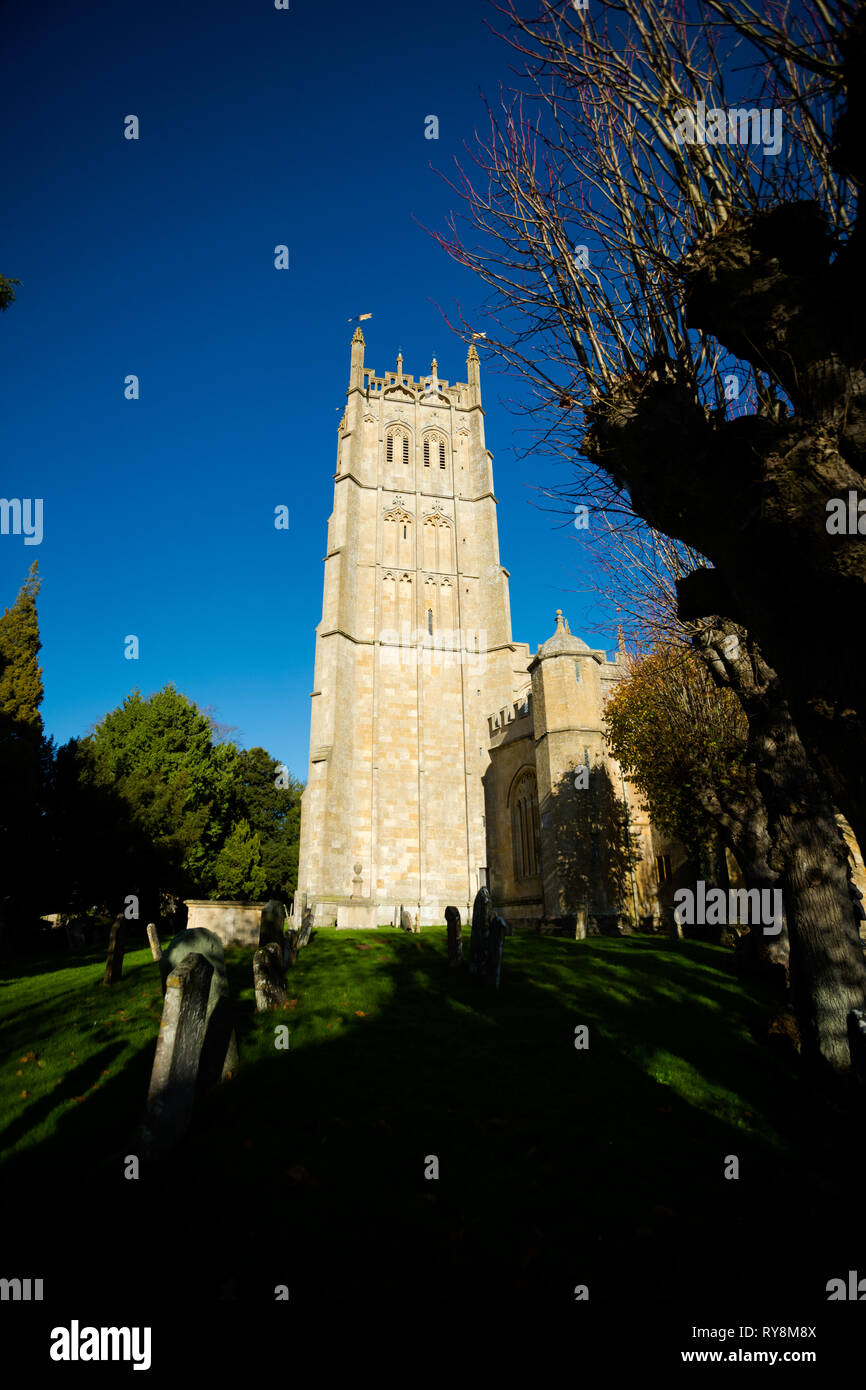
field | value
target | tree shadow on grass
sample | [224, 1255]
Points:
[74, 1085]
[552, 1161]
[557, 1166]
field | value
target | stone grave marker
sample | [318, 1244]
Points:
[306, 930]
[273, 923]
[153, 938]
[290, 948]
[498, 933]
[479, 938]
[455, 937]
[114, 963]
[486, 941]
[75, 935]
[220, 1051]
[405, 919]
[174, 1080]
[269, 977]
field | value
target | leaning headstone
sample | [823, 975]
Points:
[405, 919]
[306, 928]
[479, 939]
[417, 927]
[75, 935]
[455, 937]
[153, 938]
[114, 963]
[174, 1080]
[272, 927]
[486, 942]
[857, 1043]
[269, 978]
[498, 932]
[220, 1051]
[290, 948]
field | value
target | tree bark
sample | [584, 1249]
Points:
[827, 962]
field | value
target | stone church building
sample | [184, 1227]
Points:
[443, 754]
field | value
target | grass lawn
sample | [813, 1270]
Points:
[555, 1164]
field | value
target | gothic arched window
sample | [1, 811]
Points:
[397, 445]
[525, 829]
[434, 448]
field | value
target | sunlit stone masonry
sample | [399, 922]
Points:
[443, 754]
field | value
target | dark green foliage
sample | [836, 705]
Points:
[24, 754]
[238, 868]
[274, 812]
[7, 294]
[150, 804]
[20, 673]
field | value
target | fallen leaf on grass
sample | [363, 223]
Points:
[19, 1072]
[292, 1003]
[363, 946]
[31, 1057]
[25, 1095]
[359, 1013]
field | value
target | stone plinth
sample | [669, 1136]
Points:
[235, 923]
[358, 915]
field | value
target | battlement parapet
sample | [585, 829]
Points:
[510, 714]
[435, 390]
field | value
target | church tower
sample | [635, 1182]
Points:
[413, 649]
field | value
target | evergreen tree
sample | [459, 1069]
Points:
[20, 674]
[270, 799]
[24, 754]
[239, 872]
[7, 294]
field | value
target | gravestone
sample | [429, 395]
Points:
[405, 919]
[75, 935]
[455, 937]
[479, 937]
[273, 922]
[114, 963]
[498, 932]
[290, 948]
[220, 1051]
[486, 941]
[175, 1078]
[417, 926]
[269, 977]
[306, 928]
[153, 938]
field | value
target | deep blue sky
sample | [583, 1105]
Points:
[155, 257]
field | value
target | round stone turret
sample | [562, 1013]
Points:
[562, 643]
